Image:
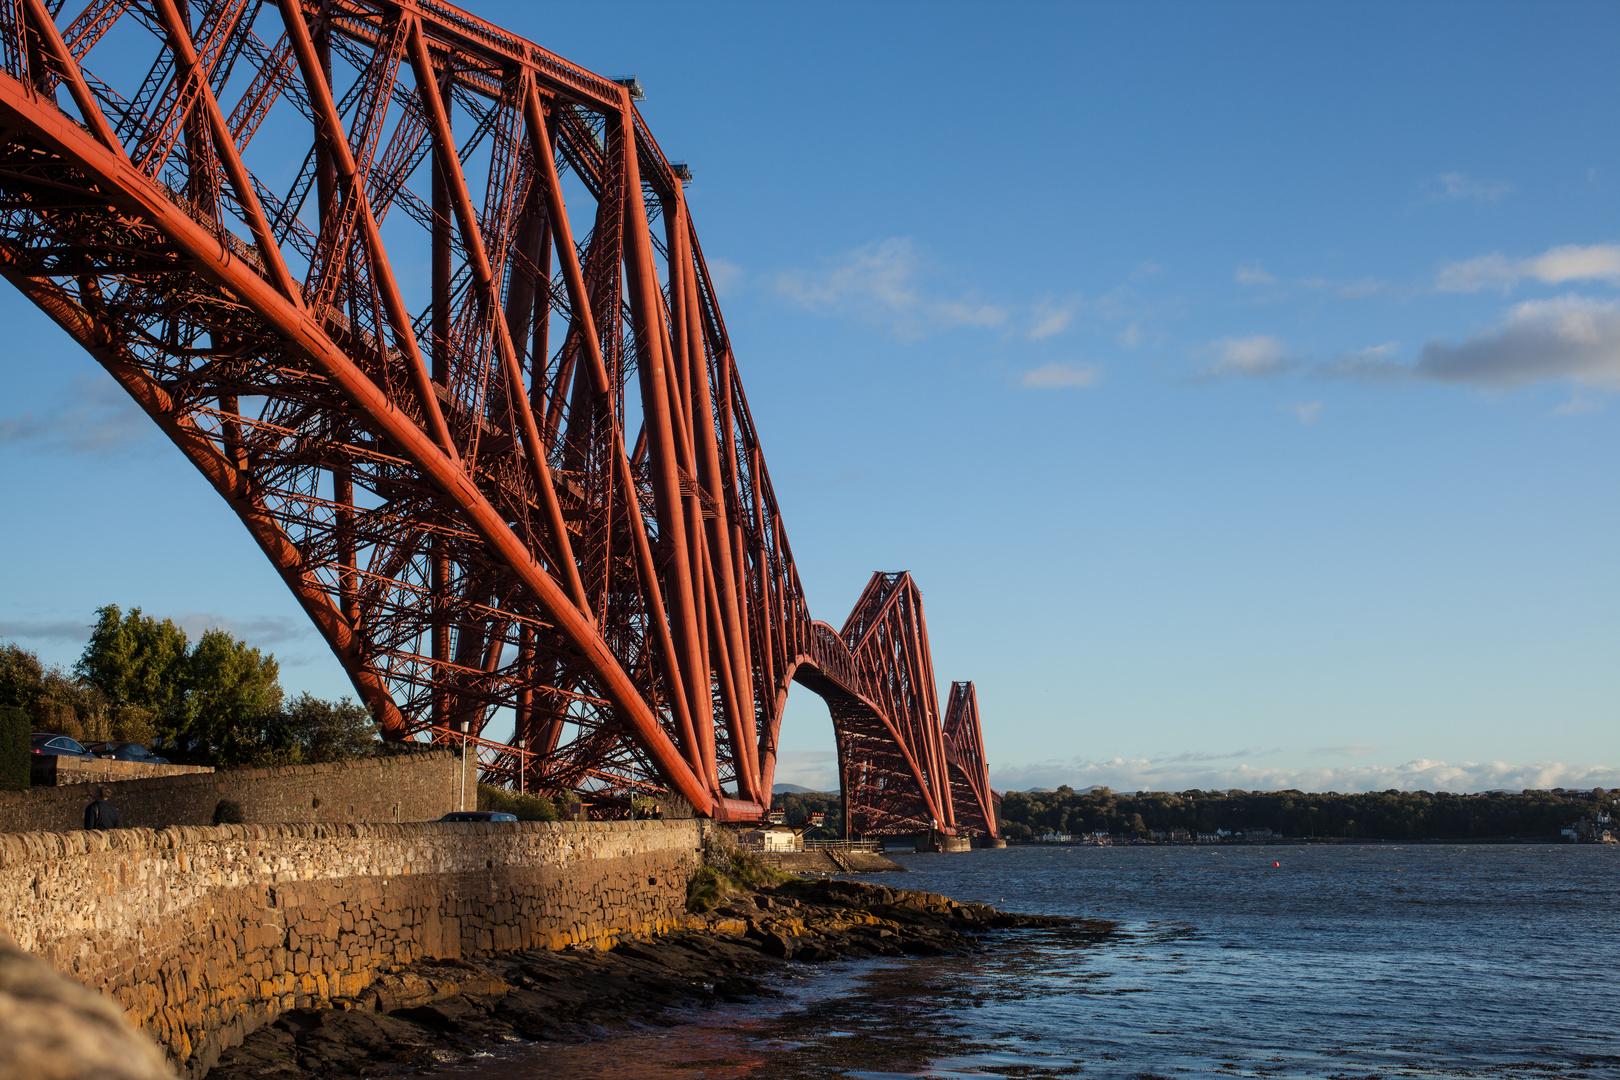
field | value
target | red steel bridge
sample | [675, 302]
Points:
[425, 304]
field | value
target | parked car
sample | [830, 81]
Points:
[478, 815]
[43, 742]
[125, 751]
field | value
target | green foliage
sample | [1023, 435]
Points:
[21, 676]
[727, 869]
[228, 687]
[218, 702]
[57, 702]
[706, 889]
[134, 659]
[331, 730]
[308, 731]
[800, 804]
[15, 763]
[157, 688]
[526, 807]
[1383, 815]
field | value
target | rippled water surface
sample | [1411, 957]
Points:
[1342, 962]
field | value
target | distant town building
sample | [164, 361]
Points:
[1602, 830]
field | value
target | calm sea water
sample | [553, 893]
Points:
[1342, 962]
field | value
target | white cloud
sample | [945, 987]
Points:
[1570, 337]
[1251, 357]
[91, 415]
[1307, 412]
[1051, 318]
[885, 283]
[1555, 266]
[1456, 186]
[1171, 774]
[1131, 336]
[1060, 377]
[1251, 274]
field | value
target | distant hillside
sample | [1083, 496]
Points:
[795, 789]
[1383, 815]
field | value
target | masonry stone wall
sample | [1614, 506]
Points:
[52, 770]
[203, 934]
[418, 786]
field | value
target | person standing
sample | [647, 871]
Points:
[101, 814]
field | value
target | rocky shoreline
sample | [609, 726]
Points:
[439, 1012]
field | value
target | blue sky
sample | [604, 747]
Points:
[1238, 381]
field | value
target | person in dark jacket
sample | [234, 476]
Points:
[101, 814]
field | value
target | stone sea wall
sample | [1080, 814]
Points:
[204, 934]
[417, 786]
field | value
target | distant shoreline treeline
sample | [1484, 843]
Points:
[1382, 815]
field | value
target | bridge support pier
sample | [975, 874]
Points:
[989, 842]
[936, 842]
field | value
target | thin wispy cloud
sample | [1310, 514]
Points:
[1373, 364]
[1251, 274]
[1555, 266]
[91, 415]
[1051, 317]
[260, 631]
[1167, 774]
[45, 630]
[1357, 749]
[813, 769]
[1577, 405]
[1460, 187]
[725, 276]
[888, 284]
[1060, 377]
[1306, 412]
[1257, 357]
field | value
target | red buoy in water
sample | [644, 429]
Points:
[1276, 864]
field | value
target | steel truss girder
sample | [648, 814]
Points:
[448, 490]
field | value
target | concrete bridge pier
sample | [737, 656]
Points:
[937, 842]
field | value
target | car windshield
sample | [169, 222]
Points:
[65, 743]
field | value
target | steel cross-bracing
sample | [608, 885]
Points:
[424, 303]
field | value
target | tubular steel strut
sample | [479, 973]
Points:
[525, 482]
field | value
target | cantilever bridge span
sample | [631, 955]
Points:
[424, 303]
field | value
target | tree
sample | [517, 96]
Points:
[21, 677]
[330, 730]
[229, 687]
[136, 660]
[15, 766]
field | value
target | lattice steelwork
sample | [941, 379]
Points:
[424, 303]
